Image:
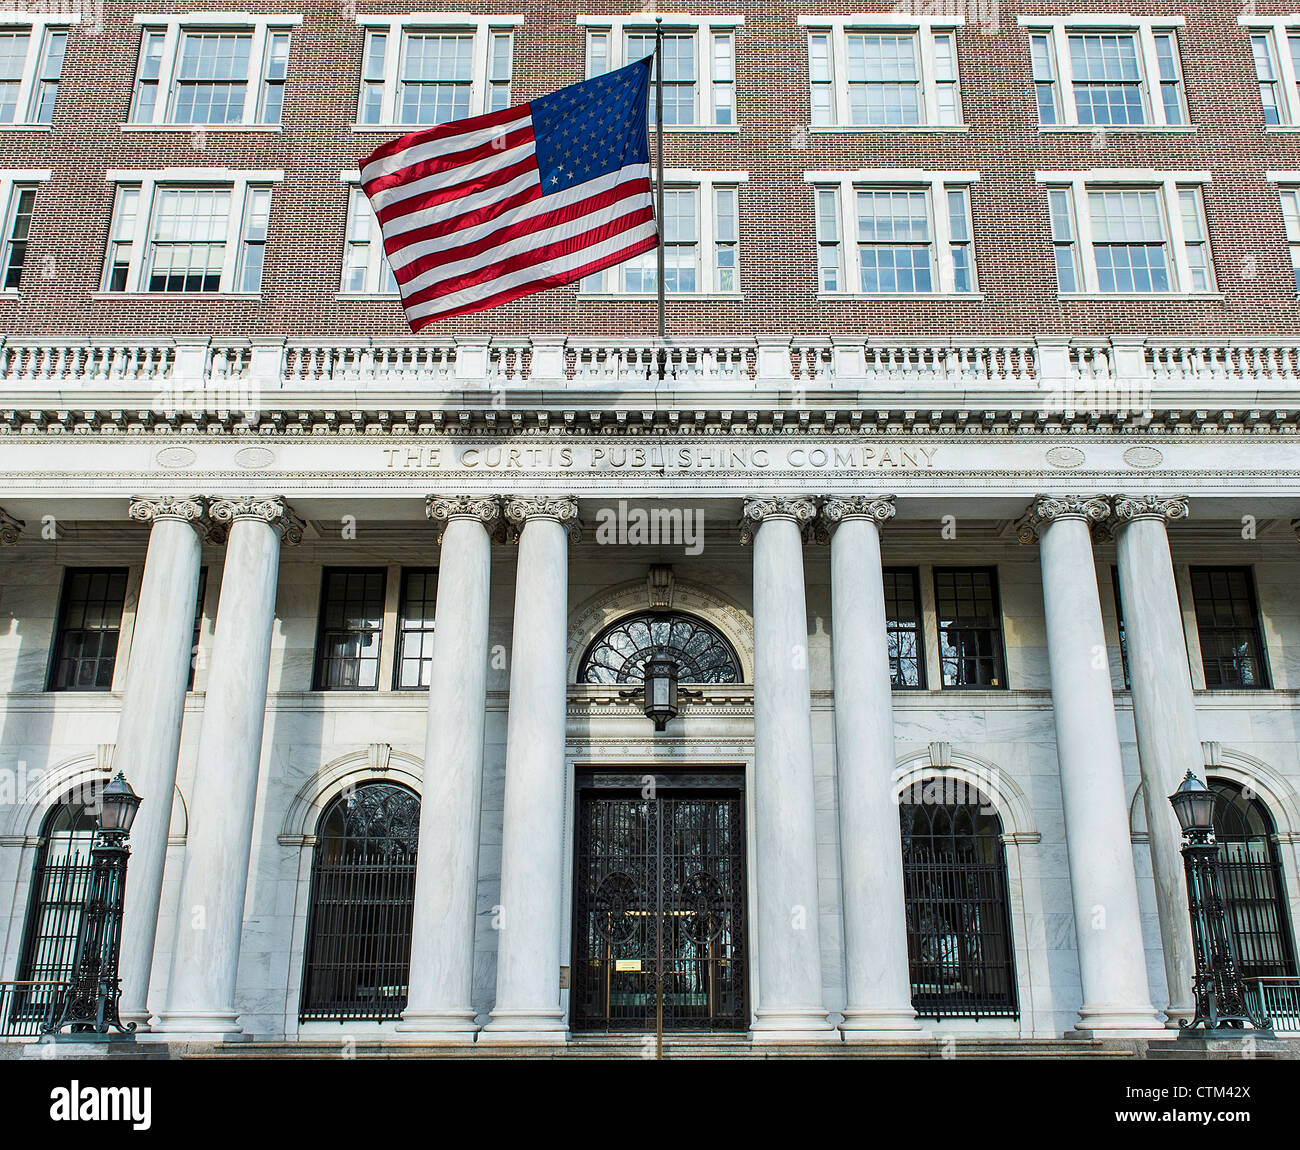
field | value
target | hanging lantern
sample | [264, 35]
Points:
[660, 690]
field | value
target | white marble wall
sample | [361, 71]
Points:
[306, 732]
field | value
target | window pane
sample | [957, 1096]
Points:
[90, 619]
[1227, 621]
[970, 627]
[351, 627]
[211, 79]
[415, 627]
[189, 239]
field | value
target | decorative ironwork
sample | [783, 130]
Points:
[959, 943]
[620, 652]
[362, 900]
[660, 893]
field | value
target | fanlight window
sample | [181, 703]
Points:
[362, 897]
[619, 653]
[959, 943]
[1254, 893]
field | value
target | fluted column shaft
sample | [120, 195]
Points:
[871, 859]
[790, 1000]
[1164, 715]
[532, 840]
[446, 884]
[149, 733]
[1103, 882]
[205, 957]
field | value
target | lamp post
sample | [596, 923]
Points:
[1222, 1006]
[90, 1003]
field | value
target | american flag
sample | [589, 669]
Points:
[481, 211]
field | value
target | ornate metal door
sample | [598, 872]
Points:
[660, 886]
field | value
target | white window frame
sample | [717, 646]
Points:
[444, 23]
[703, 28]
[149, 182]
[1168, 184]
[1278, 30]
[892, 23]
[37, 26]
[12, 181]
[705, 183]
[376, 257]
[1288, 182]
[936, 186]
[1145, 29]
[173, 28]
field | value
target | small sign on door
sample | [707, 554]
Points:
[627, 964]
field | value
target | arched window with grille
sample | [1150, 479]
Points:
[1253, 887]
[358, 949]
[60, 876]
[959, 944]
[619, 653]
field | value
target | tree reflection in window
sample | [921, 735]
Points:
[619, 653]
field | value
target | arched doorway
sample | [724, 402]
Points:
[959, 945]
[358, 948]
[1253, 886]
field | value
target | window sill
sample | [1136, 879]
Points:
[355, 296]
[176, 295]
[9, 293]
[669, 297]
[26, 127]
[835, 129]
[1191, 297]
[1127, 129]
[1282, 129]
[192, 129]
[958, 296]
[669, 129]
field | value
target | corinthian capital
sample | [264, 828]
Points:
[563, 509]
[442, 509]
[10, 529]
[1045, 509]
[1165, 507]
[188, 508]
[271, 510]
[801, 510]
[878, 508]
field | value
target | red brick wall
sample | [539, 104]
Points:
[777, 251]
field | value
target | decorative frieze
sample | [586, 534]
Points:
[801, 510]
[519, 509]
[271, 510]
[1045, 509]
[10, 529]
[1166, 507]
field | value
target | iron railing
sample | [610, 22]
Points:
[27, 1006]
[1277, 999]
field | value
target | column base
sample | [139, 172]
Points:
[525, 1028]
[438, 1026]
[1120, 1022]
[792, 1026]
[199, 1026]
[864, 1025]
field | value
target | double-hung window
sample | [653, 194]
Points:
[894, 232]
[89, 625]
[699, 63]
[969, 622]
[1275, 46]
[1229, 627]
[18, 200]
[365, 264]
[188, 231]
[431, 69]
[215, 70]
[350, 629]
[701, 240]
[904, 628]
[1093, 72]
[1129, 232]
[1289, 192]
[896, 72]
[413, 663]
[32, 48]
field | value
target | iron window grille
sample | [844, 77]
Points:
[1254, 888]
[619, 653]
[358, 948]
[904, 628]
[351, 629]
[959, 944]
[970, 627]
[415, 627]
[60, 878]
[1228, 624]
[90, 624]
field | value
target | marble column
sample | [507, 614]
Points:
[871, 857]
[527, 1005]
[446, 884]
[790, 1002]
[1103, 882]
[149, 732]
[205, 956]
[1164, 714]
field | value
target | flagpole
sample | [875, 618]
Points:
[659, 195]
